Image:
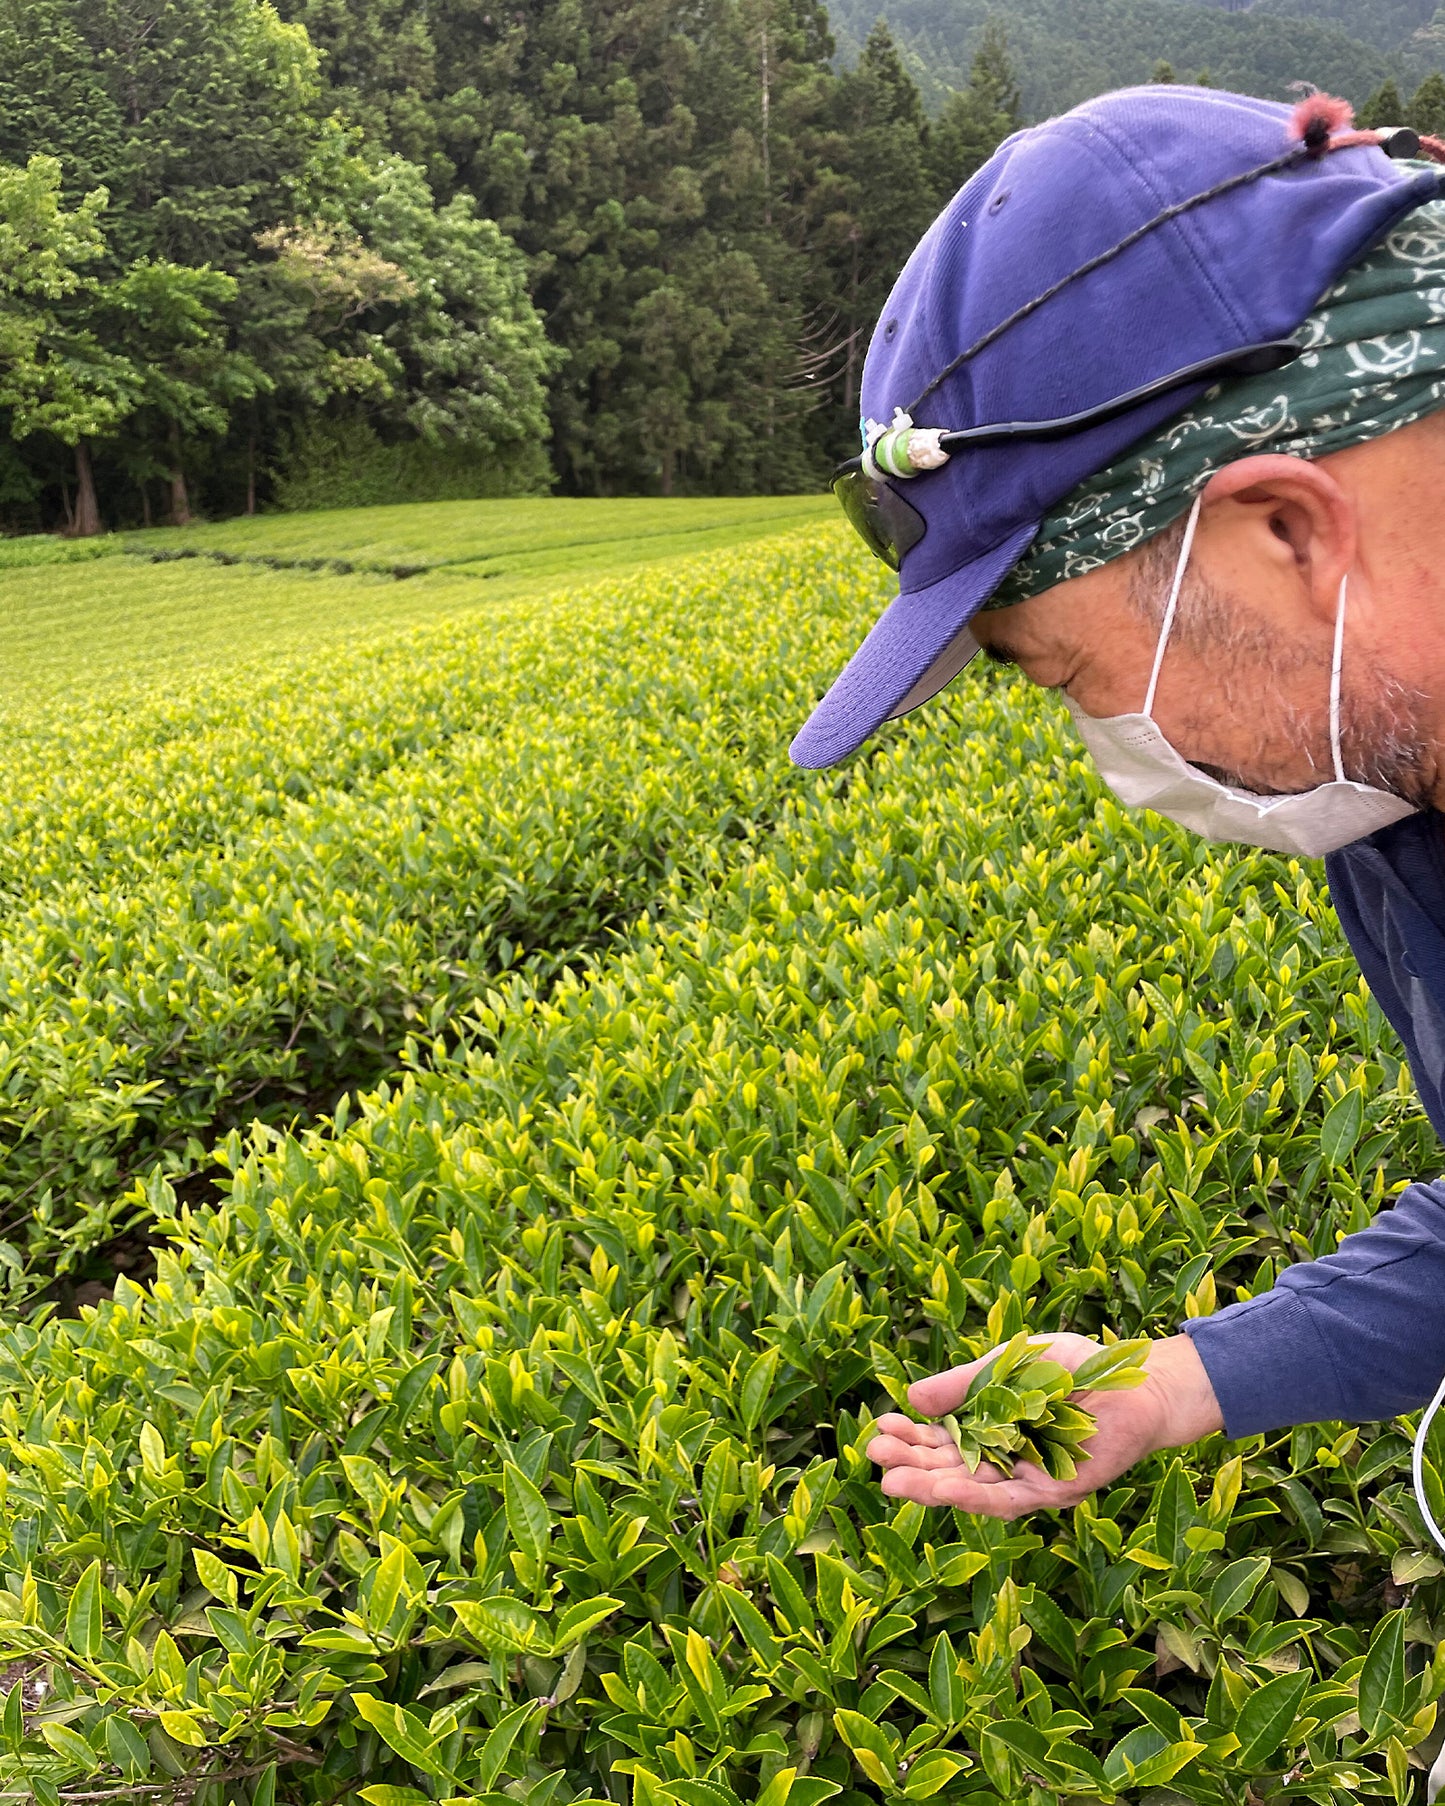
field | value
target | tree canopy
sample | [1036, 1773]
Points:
[616, 245]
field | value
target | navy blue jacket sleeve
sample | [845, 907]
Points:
[1360, 1335]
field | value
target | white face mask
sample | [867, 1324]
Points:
[1144, 771]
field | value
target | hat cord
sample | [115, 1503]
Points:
[1309, 116]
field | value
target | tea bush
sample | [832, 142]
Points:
[502, 1440]
[170, 601]
[249, 897]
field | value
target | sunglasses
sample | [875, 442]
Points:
[890, 526]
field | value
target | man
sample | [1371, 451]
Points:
[1154, 413]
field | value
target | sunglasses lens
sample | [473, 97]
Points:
[887, 525]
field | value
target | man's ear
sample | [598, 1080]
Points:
[1285, 516]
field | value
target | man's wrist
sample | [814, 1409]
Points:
[1189, 1410]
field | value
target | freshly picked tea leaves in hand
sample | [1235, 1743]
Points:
[1018, 1407]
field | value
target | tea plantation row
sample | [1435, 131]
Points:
[163, 604]
[502, 1439]
[245, 898]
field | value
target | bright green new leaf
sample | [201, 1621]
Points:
[214, 1575]
[386, 1585]
[1147, 1757]
[68, 1742]
[873, 1749]
[152, 1449]
[1117, 1367]
[502, 1623]
[184, 1727]
[580, 1617]
[403, 1730]
[84, 1623]
[932, 1773]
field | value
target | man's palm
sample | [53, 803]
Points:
[921, 1462]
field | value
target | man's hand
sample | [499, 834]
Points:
[1175, 1405]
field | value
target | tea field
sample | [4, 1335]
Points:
[171, 602]
[565, 1127]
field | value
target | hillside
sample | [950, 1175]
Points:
[1384, 23]
[1066, 50]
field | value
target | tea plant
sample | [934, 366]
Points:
[174, 601]
[243, 902]
[503, 1438]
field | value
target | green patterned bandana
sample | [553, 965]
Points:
[1374, 361]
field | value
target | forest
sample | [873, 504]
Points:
[318, 254]
[310, 254]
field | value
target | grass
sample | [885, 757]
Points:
[100, 616]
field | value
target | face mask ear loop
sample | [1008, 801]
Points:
[1335, 682]
[1172, 606]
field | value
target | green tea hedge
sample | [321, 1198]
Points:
[503, 1440]
[235, 901]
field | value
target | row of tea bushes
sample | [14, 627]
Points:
[503, 1441]
[100, 789]
[234, 903]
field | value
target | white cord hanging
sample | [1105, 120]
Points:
[1435, 1781]
[1417, 1464]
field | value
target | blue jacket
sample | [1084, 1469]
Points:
[1360, 1334]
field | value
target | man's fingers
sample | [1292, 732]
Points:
[904, 1429]
[892, 1451]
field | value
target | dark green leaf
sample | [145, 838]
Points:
[1382, 1678]
[1341, 1127]
[1265, 1718]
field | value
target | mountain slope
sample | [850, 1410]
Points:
[1385, 24]
[1066, 50]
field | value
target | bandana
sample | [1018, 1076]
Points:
[1374, 360]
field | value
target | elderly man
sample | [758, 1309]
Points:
[1156, 416]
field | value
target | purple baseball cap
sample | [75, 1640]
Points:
[1242, 267]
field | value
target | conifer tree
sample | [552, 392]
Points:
[1427, 108]
[1384, 107]
[973, 122]
[887, 192]
[201, 119]
[994, 76]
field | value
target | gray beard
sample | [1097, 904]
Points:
[1380, 740]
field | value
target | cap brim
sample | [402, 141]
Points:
[917, 645]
